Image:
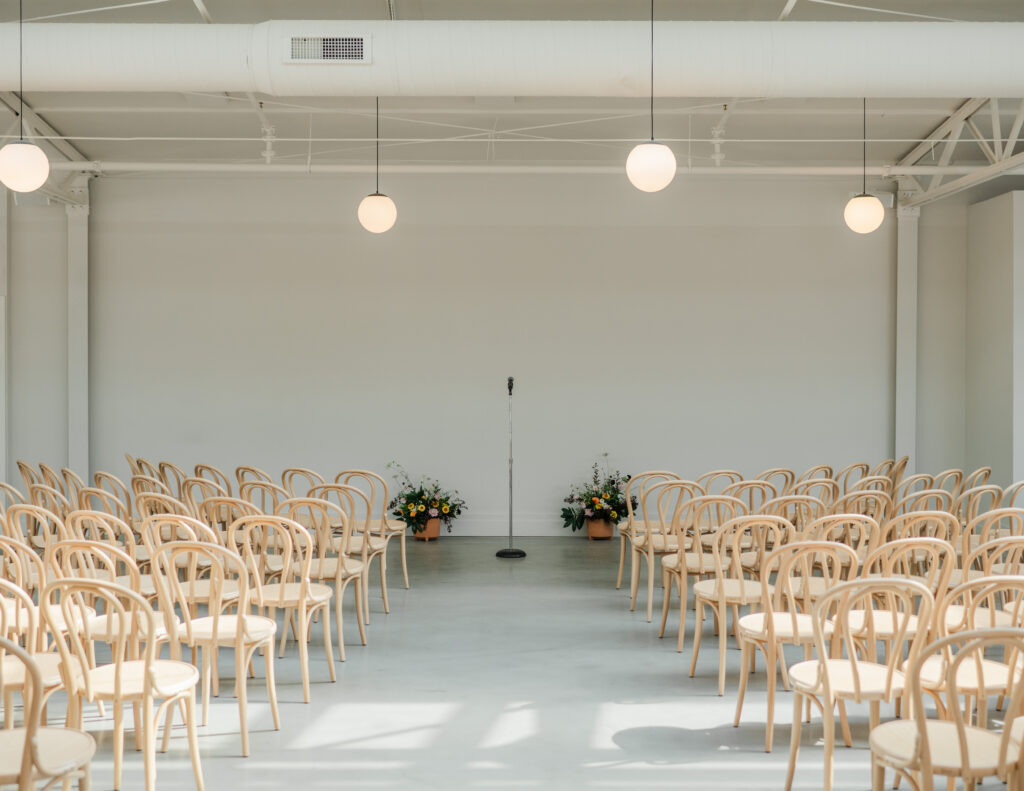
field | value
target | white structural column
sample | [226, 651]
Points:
[78, 335]
[5, 252]
[905, 439]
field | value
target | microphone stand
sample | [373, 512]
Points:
[510, 552]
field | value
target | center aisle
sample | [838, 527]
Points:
[496, 673]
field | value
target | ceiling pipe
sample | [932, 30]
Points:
[532, 58]
[106, 168]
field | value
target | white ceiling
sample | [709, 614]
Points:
[229, 128]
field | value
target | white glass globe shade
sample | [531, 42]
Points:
[377, 213]
[23, 166]
[651, 166]
[864, 213]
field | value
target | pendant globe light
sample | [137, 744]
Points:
[23, 165]
[651, 166]
[377, 212]
[864, 213]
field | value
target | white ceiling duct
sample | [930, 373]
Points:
[463, 58]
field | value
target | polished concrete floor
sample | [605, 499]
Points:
[497, 674]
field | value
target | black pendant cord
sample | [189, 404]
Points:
[864, 149]
[652, 71]
[377, 190]
[21, 73]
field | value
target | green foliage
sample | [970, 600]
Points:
[602, 497]
[418, 502]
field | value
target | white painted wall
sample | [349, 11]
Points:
[37, 342]
[723, 323]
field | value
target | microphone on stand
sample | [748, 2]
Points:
[511, 552]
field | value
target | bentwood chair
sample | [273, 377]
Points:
[114, 485]
[28, 474]
[850, 474]
[376, 488]
[782, 478]
[265, 495]
[876, 504]
[979, 477]
[196, 490]
[798, 509]
[632, 524]
[924, 500]
[34, 526]
[145, 484]
[9, 496]
[52, 478]
[785, 611]
[228, 622]
[216, 475]
[912, 484]
[884, 467]
[817, 471]
[330, 562]
[952, 746]
[728, 589]
[53, 500]
[716, 480]
[754, 494]
[261, 539]
[951, 480]
[1012, 495]
[148, 469]
[246, 473]
[847, 666]
[73, 484]
[299, 480]
[976, 501]
[134, 674]
[688, 518]
[220, 512]
[873, 483]
[173, 477]
[34, 752]
[824, 489]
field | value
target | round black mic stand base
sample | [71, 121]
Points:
[510, 553]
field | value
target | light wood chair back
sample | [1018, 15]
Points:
[321, 517]
[873, 483]
[859, 532]
[999, 556]
[92, 498]
[151, 504]
[782, 478]
[899, 469]
[263, 539]
[173, 477]
[976, 501]
[741, 544]
[922, 524]
[51, 499]
[924, 500]
[638, 484]
[714, 481]
[34, 526]
[28, 474]
[786, 575]
[50, 477]
[9, 496]
[147, 469]
[884, 467]
[1012, 494]
[220, 512]
[73, 483]
[144, 484]
[978, 477]
[798, 509]
[869, 502]
[353, 501]
[991, 525]
[161, 529]
[216, 475]
[196, 490]
[754, 494]
[247, 473]
[133, 466]
[929, 561]
[990, 602]
[96, 560]
[911, 484]
[105, 528]
[265, 495]
[817, 471]
[951, 480]
[850, 474]
[373, 484]
[20, 564]
[114, 485]
[299, 480]
[824, 489]
[699, 516]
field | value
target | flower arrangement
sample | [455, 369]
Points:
[602, 497]
[418, 502]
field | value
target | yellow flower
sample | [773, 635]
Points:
[614, 515]
[605, 495]
[445, 509]
[422, 507]
[433, 504]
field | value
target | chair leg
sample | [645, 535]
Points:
[149, 724]
[698, 627]
[650, 590]
[118, 742]
[769, 727]
[193, 740]
[243, 698]
[877, 775]
[723, 635]
[304, 651]
[666, 594]
[405, 568]
[382, 562]
[745, 648]
[366, 593]
[683, 588]
[206, 684]
[828, 720]
[272, 688]
[844, 723]
[340, 589]
[168, 724]
[622, 560]
[794, 739]
[328, 648]
[634, 576]
[361, 598]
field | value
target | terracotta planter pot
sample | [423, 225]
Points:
[599, 529]
[432, 530]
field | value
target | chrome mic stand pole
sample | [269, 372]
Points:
[510, 552]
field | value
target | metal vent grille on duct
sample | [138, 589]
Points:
[329, 48]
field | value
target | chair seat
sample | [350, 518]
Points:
[287, 595]
[658, 542]
[786, 627]
[199, 590]
[60, 749]
[983, 617]
[885, 623]
[873, 678]
[972, 574]
[995, 676]
[257, 629]
[49, 669]
[147, 587]
[696, 562]
[328, 568]
[170, 677]
[816, 586]
[355, 544]
[896, 742]
[107, 628]
[734, 591]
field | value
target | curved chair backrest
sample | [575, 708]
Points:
[93, 560]
[265, 495]
[982, 603]
[754, 494]
[51, 478]
[870, 502]
[716, 480]
[9, 496]
[114, 485]
[147, 469]
[133, 465]
[825, 489]
[978, 477]
[782, 478]
[102, 527]
[220, 512]
[143, 484]
[922, 524]
[799, 509]
[928, 560]
[321, 518]
[372, 483]
[705, 514]
[21, 565]
[661, 501]
[924, 500]
[884, 467]
[817, 471]
[247, 473]
[51, 499]
[992, 525]
[173, 477]
[859, 532]
[30, 681]
[73, 484]
[999, 556]
[216, 475]
[28, 474]
[976, 501]
[639, 483]
[150, 504]
[163, 528]
[299, 480]
[260, 538]
[196, 490]
[875, 483]
[911, 484]
[92, 498]
[353, 501]
[19, 621]
[951, 480]
[850, 474]
[741, 544]
[34, 526]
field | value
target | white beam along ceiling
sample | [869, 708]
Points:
[529, 58]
